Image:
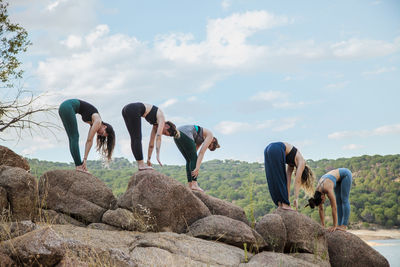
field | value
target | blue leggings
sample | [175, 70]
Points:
[342, 192]
[275, 170]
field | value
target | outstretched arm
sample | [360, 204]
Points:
[332, 200]
[151, 144]
[289, 171]
[161, 123]
[203, 149]
[297, 182]
[321, 214]
[89, 141]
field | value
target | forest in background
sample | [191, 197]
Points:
[374, 196]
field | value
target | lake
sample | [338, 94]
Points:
[389, 248]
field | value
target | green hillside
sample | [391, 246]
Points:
[374, 196]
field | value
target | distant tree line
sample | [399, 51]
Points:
[374, 196]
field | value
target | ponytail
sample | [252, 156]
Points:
[172, 131]
[316, 200]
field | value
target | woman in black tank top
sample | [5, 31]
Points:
[105, 133]
[277, 155]
[133, 114]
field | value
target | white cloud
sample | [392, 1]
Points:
[226, 4]
[125, 147]
[37, 143]
[380, 131]
[268, 96]
[358, 48]
[225, 45]
[275, 99]
[72, 41]
[285, 124]
[52, 6]
[352, 147]
[233, 127]
[60, 16]
[380, 71]
[169, 102]
[338, 85]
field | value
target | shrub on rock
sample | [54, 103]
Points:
[127, 220]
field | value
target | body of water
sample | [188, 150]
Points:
[390, 249]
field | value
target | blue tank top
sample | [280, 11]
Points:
[330, 177]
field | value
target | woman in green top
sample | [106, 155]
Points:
[188, 141]
[105, 133]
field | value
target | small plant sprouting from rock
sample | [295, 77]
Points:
[246, 257]
[145, 221]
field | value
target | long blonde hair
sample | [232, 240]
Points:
[307, 180]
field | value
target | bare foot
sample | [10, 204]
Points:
[144, 168]
[286, 207]
[81, 169]
[196, 187]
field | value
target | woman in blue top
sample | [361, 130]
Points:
[336, 184]
[105, 133]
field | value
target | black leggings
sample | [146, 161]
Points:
[132, 114]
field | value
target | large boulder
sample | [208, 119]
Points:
[10, 230]
[10, 158]
[128, 220]
[221, 207]
[173, 206]
[229, 231]
[49, 246]
[21, 191]
[171, 249]
[68, 245]
[303, 235]
[346, 249]
[77, 194]
[267, 259]
[54, 217]
[273, 230]
[41, 247]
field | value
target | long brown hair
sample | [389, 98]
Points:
[106, 144]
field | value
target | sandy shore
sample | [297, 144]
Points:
[368, 235]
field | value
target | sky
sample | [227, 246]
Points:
[321, 75]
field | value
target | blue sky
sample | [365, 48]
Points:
[321, 75]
